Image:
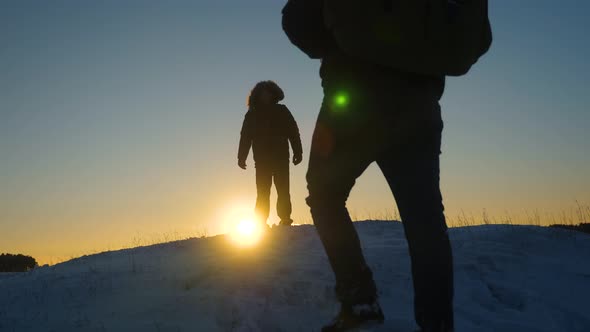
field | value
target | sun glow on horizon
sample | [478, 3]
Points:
[246, 233]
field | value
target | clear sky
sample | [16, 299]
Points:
[119, 120]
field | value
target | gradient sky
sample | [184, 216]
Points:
[119, 120]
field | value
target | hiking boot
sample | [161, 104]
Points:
[354, 316]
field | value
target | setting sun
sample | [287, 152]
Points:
[246, 233]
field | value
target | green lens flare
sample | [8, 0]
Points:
[341, 99]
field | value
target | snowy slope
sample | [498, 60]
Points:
[508, 278]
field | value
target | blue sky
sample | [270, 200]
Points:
[122, 117]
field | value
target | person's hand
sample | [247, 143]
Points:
[242, 164]
[297, 159]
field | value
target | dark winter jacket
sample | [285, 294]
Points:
[268, 129]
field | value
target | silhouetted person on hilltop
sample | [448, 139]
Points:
[383, 73]
[268, 128]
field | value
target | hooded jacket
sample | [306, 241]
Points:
[268, 129]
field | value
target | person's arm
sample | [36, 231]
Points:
[245, 141]
[294, 137]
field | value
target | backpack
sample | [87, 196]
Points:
[432, 37]
[303, 23]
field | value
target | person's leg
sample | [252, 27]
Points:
[263, 184]
[412, 172]
[336, 159]
[340, 152]
[281, 180]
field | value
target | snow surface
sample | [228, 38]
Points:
[507, 278]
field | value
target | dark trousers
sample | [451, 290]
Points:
[265, 173]
[396, 123]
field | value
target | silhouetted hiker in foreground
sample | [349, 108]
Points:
[383, 73]
[268, 128]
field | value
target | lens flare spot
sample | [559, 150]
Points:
[341, 99]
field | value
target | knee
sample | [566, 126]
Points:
[326, 192]
[320, 202]
[328, 213]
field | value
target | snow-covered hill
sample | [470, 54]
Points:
[508, 278]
